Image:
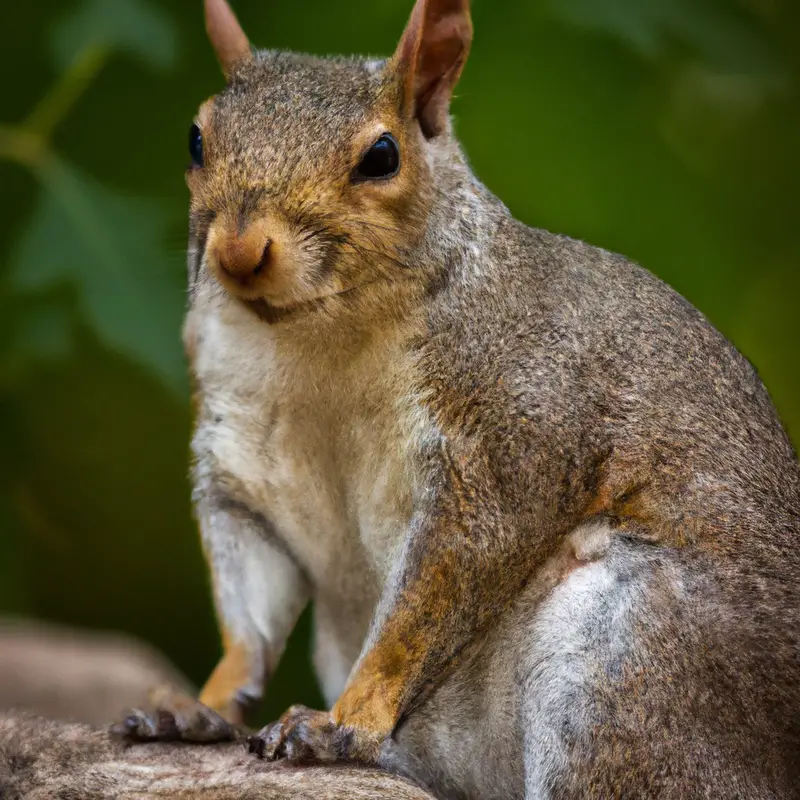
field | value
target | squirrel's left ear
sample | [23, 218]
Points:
[227, 37]
[430, 58]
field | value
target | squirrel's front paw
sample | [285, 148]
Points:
[175, 717]
[305, 735]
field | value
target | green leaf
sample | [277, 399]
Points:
[110, 248]
[135, 26]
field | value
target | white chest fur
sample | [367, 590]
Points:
[317, 436]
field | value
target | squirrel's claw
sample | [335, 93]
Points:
[303, 735]
[142, 726]
[174, 718]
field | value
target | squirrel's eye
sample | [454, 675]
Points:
[382, 160]
[196, 146]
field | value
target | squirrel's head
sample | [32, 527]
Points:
[313, 177]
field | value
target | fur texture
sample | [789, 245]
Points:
[545, 511]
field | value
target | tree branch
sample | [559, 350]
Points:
[41, 759]
[83, 676]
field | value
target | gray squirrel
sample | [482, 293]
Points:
[547, 515]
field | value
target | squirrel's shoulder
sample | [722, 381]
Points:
[535, 302]
[519, 270]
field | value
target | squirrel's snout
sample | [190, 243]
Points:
[243, 257]
[263, 261]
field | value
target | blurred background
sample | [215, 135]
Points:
[667, 130]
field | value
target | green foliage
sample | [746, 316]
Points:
[134, 26]
[89, 258]
[43, 335]
[665, 130]
[718, 34]
[110, 248]
[106, 246]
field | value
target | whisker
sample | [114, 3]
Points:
[365, 224]
[380, 254]
[318, 229]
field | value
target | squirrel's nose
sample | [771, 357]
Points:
[246, 255]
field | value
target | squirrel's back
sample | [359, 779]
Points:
[561, 334]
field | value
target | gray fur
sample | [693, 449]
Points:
[439, 443]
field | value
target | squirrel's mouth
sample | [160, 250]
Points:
[272, 314]
[276, 313]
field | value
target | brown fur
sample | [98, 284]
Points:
[221, 692]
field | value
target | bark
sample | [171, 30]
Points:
[43, 760]
[90, 677]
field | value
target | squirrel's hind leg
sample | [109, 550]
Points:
[639, 680]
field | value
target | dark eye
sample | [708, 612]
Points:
[196, 146]
[382, 160]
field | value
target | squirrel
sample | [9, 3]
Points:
[547, 514]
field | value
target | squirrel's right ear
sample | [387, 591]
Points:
[430, 58]
[227, 37]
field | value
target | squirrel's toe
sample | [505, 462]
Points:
[301, 735]
[175, 719]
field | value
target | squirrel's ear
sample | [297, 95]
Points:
[430, 58]
[226, 35]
